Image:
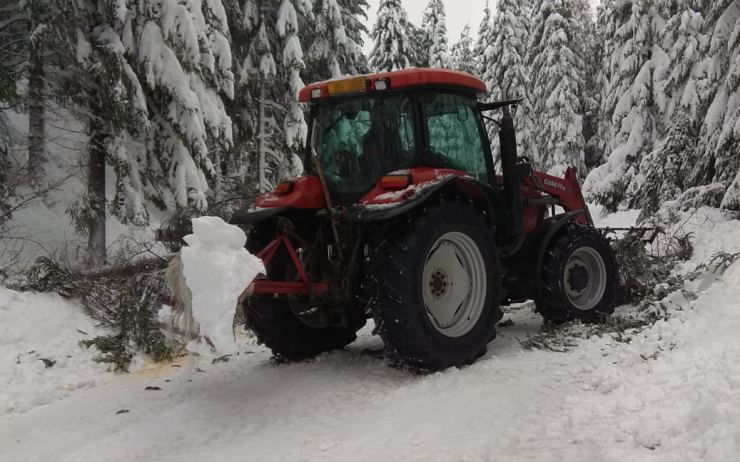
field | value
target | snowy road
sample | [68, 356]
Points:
[515, 404]
[343, 405]
[668, 393]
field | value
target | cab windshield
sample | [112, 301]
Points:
[361, 139]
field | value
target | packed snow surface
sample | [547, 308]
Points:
[41, 359]
[217, 270]
[670, 392]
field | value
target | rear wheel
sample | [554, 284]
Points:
[579, 278]
[435, 289]
[276, 325]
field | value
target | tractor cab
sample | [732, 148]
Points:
[364, 128]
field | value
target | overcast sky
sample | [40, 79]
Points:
[459, 13]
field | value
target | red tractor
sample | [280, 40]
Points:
[401, 218]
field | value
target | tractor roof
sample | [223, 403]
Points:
[407, 78]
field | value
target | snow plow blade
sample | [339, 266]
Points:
[177, 322]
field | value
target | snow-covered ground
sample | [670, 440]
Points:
[668, 393]
[40, 356]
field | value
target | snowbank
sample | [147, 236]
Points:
[41, 359]
[673, 389]
[217, 269]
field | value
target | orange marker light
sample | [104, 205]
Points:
[395, 181]
[340, 87]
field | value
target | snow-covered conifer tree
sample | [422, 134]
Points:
[393, 49]
[684, 41]
[506, 71]
[680, 94]
[557, 82]
[331, 50]
[482, 42]
[435, 27]
[629, 100]
[184, 68]
[592, 51]
[662, 168]
[292, 60]
[149, 79]
[419, 56]
[354, 16]
[462, 52]
[720, 133]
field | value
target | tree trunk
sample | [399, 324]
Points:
[36, 115]
[261, 167]
[96, 185]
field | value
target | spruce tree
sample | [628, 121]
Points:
[269, 59]
[596, 150]
[592, 46]
[683, 38]
[462, 52]
[557, 83]
[419, 54]
[393, 49]
[716, 161]
[292, 60]
[727, 146]
[331, 50]
[662, 168]
[680, 94]
[629, 101]
[354, 16]
[435, 27]
[506, 71]
[482, 42]
[148, 79]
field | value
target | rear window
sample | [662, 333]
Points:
[361, 139]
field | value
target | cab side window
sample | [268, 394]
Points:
[455, 134]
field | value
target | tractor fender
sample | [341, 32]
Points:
[461, 186]
[249, 216]
[548, 230]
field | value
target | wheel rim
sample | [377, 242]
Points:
[454, 284]
[584, 278]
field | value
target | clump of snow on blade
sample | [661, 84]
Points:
[41, 359]
[217, 269]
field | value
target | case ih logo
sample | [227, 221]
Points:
[554, 184]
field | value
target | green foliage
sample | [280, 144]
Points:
[125, 299]
[85, 213]
[8, 92]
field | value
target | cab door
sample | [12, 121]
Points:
[455, 135]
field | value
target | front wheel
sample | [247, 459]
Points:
[579, 278]
[435, 288]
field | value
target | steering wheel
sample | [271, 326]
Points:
[348, 164]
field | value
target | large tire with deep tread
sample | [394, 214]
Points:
[278, 328]
[557, 303]
[395, 289]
